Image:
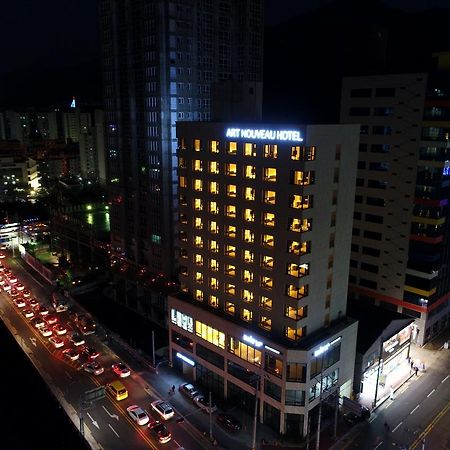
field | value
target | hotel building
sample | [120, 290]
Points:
[265, 218]
[400, 256]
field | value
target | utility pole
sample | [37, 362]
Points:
[210, 417]
[320, 409]
[255, 414]
[336, 409]
[378, 372]
[153, 349]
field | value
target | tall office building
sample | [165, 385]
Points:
[265, 218]
[401, 228]
[165, 61]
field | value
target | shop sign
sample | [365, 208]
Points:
[182, 320]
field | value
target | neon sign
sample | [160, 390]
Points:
[264, 134]
[252, 341]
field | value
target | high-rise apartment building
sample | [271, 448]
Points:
[401, 228]
[162, 62]
[265, 218]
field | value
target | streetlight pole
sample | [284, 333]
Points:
[153, 348]
[320, 406]
[255, 414]
[378, 372]
[210, 417]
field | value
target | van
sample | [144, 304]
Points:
[117, 390]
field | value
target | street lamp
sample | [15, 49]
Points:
[255, 413]
[374, 403]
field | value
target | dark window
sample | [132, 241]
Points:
[373, 218]
[362, 92]
[357, 215]
[296, 372]
[358, 198]
[367, 283]
[356, 231]
[353, 263]
[377, 184]
[295, 397]
[361, 164]
[359, 111]
[272, 390]
[210, 356]
[385, 92]
[360, 182]
[355, 248]
[370, 251]
[372, 235]
[381, 130]
[375, 201]
[380, 148]
[363, 147]
[364, 129]
[369, 267]
[381, 166]
[383, 111]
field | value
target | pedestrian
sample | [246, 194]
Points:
[412, 363]
[416, 369]
[173, 389]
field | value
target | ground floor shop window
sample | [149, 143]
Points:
[294, 425]
[272, 417]
[210, 381]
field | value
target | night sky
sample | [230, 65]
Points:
[58, 40]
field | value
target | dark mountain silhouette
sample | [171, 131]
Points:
[307, 56]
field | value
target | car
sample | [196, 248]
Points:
[26, 293]
[50, 319]
[56, 341]
[160, 431]
[60, 329]
[2, 255]
[20, 302]
[71, 354]
[12, 279]
[20, 287]
[352, 418]
[37, 322]
[6, 287]
[46, 332]
[138, 414]
[28, 313]
[93, 367]
[76, 339]
[229, 422]
[164, 409]
[14, 293]
[33, 303]
[188, 390]
[203, 403]
[2, 281]
[121, 369]
[90, 352]
[42, 310]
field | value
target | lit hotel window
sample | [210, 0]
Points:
[247, 276]
[214, 187]
[294, 334]
[299, 153]
[182, 163]
[214, 146]
[198, 185]
[249, 215]
[249, 256]
[198, 259]
[249, 236]
[183, 253]
[231, 190]
[230, 250]
[267, 262]
[299, 225]
[198, 204]
[300, 201]
[213, 301]
[270, 151]
[269, 219]
[214, 167]
[270, 174]
[250, 172]
[297, 292]
[299, 248]
[198, 223]
[269, 197]
[197, 145]
[266, 303]
[230, 169]
[266, 282]
[230, 308]
[247, 315]
[249, 149]
[230, 289]
[230, 231]
[247, 296]
[265, 323]
[182, 182]
[214, 283]
[197, 165]
[213, 208]
[230, 211]
[198, 277]
[198, 241]
[295, 313]
[210, 334]
[230, 270]
[249, 194]
[232, 148]
[213, 227]
[267, 240]
[198, 295]
[214, 265]
[213, 246]
[298, 270]
[302, 178]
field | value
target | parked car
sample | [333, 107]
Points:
[229, 422]
[202, 402]
[189, 390]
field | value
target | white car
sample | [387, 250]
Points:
[20, 287]
[202, 402]
[138, 414]
[71, 354]
[46, 332]
[56, 341]
[59, 329]
[28, 313]
[163, 408]
[6, 287]
[93, 367]
[38, 322]
[121, 369]
[19, 302]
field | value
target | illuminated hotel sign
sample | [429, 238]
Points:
[252, 341]
[263, 134]
[324, 348]
[182, 320]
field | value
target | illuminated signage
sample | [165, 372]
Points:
[324, 348]
[182, 320]
[185, 359]
[272, 350]
[446, 169]
[252, 341]
[263, 134]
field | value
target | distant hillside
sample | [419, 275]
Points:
[306, 57]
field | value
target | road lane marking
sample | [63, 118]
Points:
[68, 374]
[114, 431]
[114, 416]
[414, 409]
[431, 393]
[397, 426]
[378, 445]
[94, 422]
[445, 379]
[33, 341]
